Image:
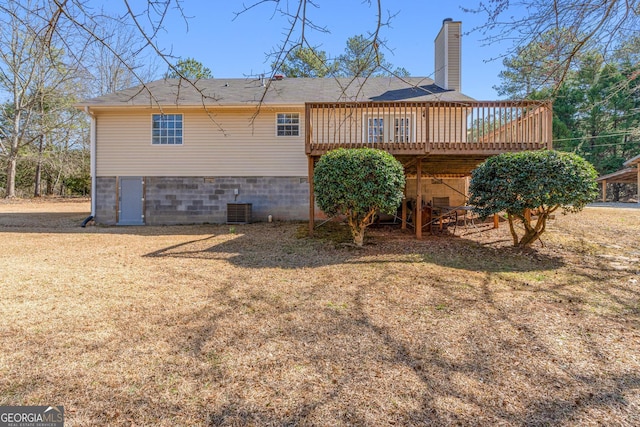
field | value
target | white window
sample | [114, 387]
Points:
[288, 124]
[166, 129]
[402, 129]
[388, 127]
[375, 126]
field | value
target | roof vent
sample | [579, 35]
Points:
[278, 77]
[447, 20]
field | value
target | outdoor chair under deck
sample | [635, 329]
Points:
[443, 214]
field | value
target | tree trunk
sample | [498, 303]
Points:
[528, 238]
[358, 226]
[37, 192]
[57, 181]
[533, 233]
[49, 182]
[357, 230]
[358, 237]
[38, 178]
[10, 191]
[512, 229]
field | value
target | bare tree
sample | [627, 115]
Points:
[362, 59]
[42, 82]
[149, 19]
[115, 57]
[537, 65]
[23, 58]
[603, 23]
[589, 22]
[114, 50]
[58, 129]
[298, 34]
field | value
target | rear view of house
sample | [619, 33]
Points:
[172, 152]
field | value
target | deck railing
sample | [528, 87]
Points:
[415, 128]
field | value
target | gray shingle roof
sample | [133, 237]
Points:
[289, 91]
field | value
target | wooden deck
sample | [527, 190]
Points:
[429, 128]
[436, 139]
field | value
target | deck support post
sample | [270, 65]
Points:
[404, 213]
[549, 111]
[604, 190]
[419, 199]
[496, 220]
[312, 199]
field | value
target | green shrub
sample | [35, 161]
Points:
[357, 183]
[532, 180]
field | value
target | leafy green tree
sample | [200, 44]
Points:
[543, 181]
[606, 112]
[588, 23]
[565, 112]
[596, 102]
[358, 183]
[188, 69]
[362, 58]
[307, 62]
[535, 66]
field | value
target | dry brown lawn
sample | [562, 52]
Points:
[254, 325]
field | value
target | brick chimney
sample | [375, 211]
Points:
[448, 61]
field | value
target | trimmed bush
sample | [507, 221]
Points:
[357, 183]
[543, 181]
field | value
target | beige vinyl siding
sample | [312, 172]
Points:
[447, 125]
[448, 56]
[439, 73]
[453, 60]
[230, 146]
[342, 126]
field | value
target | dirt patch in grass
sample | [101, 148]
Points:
[256, 325]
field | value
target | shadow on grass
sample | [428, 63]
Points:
[283, 246]
[346, 345]
[363, 369]
[38, 222]
[70, 223]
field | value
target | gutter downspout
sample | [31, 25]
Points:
[92, 160]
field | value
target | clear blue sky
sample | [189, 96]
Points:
[238, 47]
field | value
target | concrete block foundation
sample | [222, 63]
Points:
[198, 200]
